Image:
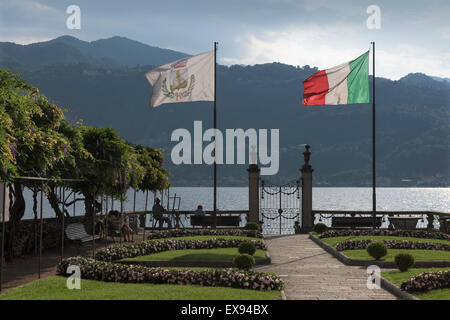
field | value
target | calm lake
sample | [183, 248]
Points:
[401, 199]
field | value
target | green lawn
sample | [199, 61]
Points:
[335, 240]
[419, 255]
[54, 288]
[397, 277]
[217, 254]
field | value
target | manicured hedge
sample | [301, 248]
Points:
[427, 281]
[396, 233]
[116, 272]
[174, 233]
[129, 250]
[392, 244]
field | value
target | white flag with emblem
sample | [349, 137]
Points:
[188, 79]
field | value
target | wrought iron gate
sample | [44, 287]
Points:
[280, 207]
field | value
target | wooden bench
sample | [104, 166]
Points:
[221, 221]
[355, 222]
[76, 232]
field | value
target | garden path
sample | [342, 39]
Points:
[309, 272]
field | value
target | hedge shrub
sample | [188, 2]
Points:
[252, 226]
[320, 228]
[377, 250]
[404, 261]
[243, 261]
[247, 247]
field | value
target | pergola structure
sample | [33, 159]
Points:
[63, 183]
[41, 181]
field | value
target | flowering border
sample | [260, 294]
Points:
[115, 272]
[396, 233]
[121, 251]
[392, 244]
[427, 281]
[174, 233]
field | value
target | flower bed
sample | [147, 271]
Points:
[391, 244]
[117, 252]
[427, 281]
[174, 233]
[396, 233]
[114, 272]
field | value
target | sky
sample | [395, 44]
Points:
[413, 36]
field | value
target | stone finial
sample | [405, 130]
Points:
[307, 156]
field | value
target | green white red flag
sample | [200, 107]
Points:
[347, 83]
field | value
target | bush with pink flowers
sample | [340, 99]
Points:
[175, 233]
[129, 250]
[116, 272]
[392, 244]
[383, 232]
[427, 281]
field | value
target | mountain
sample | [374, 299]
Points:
[441, 79]
[422, 80]
[413, 113]
[36, 56]
[66, 50]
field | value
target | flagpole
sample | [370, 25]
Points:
[374, 194]
[215, 127]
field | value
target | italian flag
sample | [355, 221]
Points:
[344, 84]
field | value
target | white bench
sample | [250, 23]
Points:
[76, 232]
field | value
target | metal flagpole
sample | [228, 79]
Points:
[374, 194]
[2, 255]
[63, 222]
[215, 127]
[41, 230]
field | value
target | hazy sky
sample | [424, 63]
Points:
[414, 35]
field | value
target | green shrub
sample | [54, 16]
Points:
[404, 261]
[320, 228]
[243, 261]
[247, 247]
[252, 226]
[377, 250]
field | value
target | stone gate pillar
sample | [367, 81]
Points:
[307, 215]
[253, 193]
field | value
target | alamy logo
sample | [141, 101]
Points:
[235, 140]
[74, 20]
[74, 280]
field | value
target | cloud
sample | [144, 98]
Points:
[315, 46]
[328, 46]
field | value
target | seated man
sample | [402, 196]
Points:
[199, 211]
[158, 211]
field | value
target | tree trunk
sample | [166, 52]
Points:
[89, 203]
[54, 202]
[17, 210]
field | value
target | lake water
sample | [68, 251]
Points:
[395, 199]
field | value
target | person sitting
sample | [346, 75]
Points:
[158, 211]
[199, 211]
[116, 223]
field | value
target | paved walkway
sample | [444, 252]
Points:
[309, 272]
